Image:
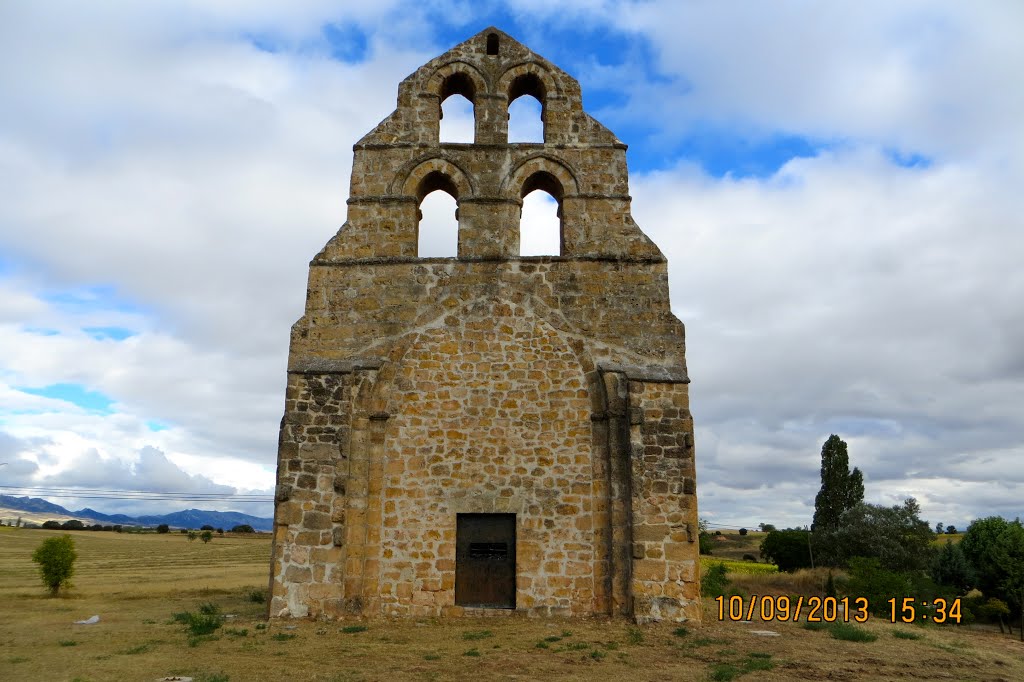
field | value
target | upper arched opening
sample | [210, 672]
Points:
[457, 117]
[540, 222]
[527, 96]
[436, 180]
[458, 86]
[437, 233]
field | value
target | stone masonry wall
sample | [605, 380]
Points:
[312, 461]
[489, 422]
[553, 388]
[664, 514]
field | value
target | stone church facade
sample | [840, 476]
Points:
[487, 433]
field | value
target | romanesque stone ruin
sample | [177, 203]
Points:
[488, 433]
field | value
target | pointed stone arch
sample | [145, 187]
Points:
[551, 87]
[436, 83]
[539, 163]
[409, 181]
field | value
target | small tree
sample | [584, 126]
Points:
[715, 581]
[192, 535]
[939, 528]
[950, 530]
[743, 531]
[766, 527]
[56, 559]
[896, 536]
[787, 549]
[206, 536]
[979, 546]
[51, 525]
[243, 528]
[206, 526]
[163, 528]
[1009, 553]
[950, 567]
[840, 490]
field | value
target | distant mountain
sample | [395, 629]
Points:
[194, 518]
[109, 518]
[32, 504]
[188, 518]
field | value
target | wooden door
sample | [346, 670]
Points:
[485, 560]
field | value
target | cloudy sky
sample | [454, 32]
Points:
[839, 188]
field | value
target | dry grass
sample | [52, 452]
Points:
[805, 581]
[136, 583]
[739, 567]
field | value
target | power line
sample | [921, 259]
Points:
[110, 494]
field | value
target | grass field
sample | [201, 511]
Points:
[137, 583]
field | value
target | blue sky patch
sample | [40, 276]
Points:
[908, 159]
[156, 425]
[86, 299]
[262, 42]
[42, 331]
[721, 153]
[103, 333]
[93, 401]
[347, 41]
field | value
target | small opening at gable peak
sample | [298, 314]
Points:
[492, 44]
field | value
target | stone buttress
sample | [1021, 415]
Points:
[549, 391]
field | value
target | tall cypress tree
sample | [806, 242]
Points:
[840, 490]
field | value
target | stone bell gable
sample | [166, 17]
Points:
[488, 433]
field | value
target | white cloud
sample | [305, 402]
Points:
[849, 295]
[162, 153]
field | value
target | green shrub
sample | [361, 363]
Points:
[205, 622]
[477, 634]
[350, 629]
[868, 579]
[850, 633]
[56, 559]
[714, 582]
[788, 549]
[758, 661]
[723, 672]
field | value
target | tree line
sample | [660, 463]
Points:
[888, 552]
